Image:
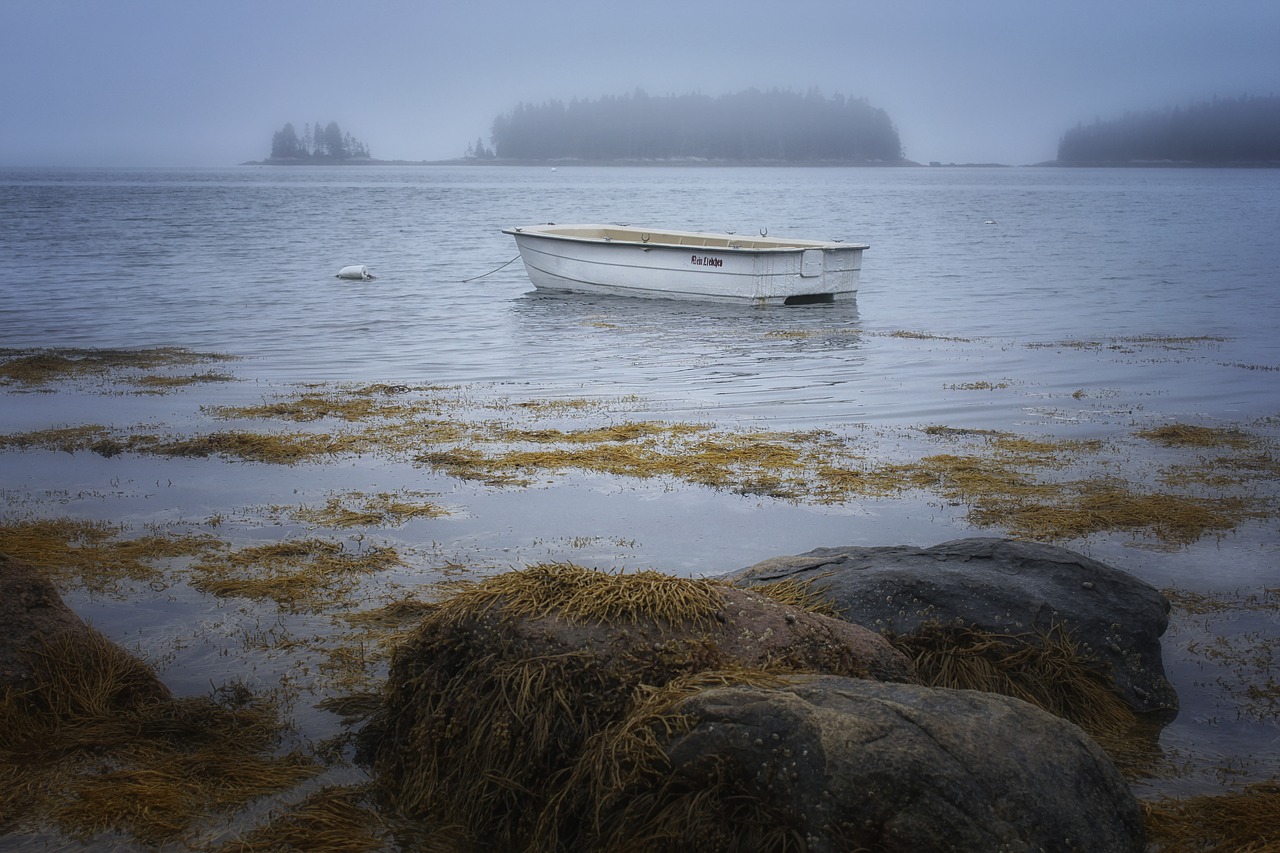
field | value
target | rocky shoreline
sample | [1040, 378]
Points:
[559, 707]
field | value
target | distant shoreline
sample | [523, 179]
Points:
[816, 164]
[567, 162]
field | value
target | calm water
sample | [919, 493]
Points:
[1064, 289]
[242, 260]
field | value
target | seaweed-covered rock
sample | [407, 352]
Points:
[1000, 587]
[33, 616]
[845, 764]
[30, 608]
[492, 699]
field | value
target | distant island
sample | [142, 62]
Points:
[318, 144]
[750, 126]
[783, 127]
[1223, 132]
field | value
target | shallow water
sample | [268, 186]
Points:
[1068, 303]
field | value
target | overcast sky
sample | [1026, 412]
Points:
[207, 82]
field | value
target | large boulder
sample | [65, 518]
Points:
[848, 764]
[1000, 586]
[560, 708]
[493, 698]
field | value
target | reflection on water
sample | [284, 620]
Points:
[709, 355]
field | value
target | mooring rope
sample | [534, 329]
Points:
[490, 272]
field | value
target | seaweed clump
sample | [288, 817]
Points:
[97, 554]
[334, 819]
[93, 745]
[1245, 821]
[298, 575]
[41, 367]
[1049, 670]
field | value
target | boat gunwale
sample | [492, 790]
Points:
[660, 238]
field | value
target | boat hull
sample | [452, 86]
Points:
[687, 265]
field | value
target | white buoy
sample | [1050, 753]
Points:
[355, 272]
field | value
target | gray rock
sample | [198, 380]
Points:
[854, 764]
[1001, 586]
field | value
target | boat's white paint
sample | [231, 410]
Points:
[663, 263]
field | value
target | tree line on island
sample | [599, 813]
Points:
[787, 127]
[317, 144]
[1222, 131]
[750, 126]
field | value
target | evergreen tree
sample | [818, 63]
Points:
[285, 145]
[478, 151]
[335, 147]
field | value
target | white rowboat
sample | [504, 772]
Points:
[630, 261]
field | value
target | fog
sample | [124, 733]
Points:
[196, 82]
